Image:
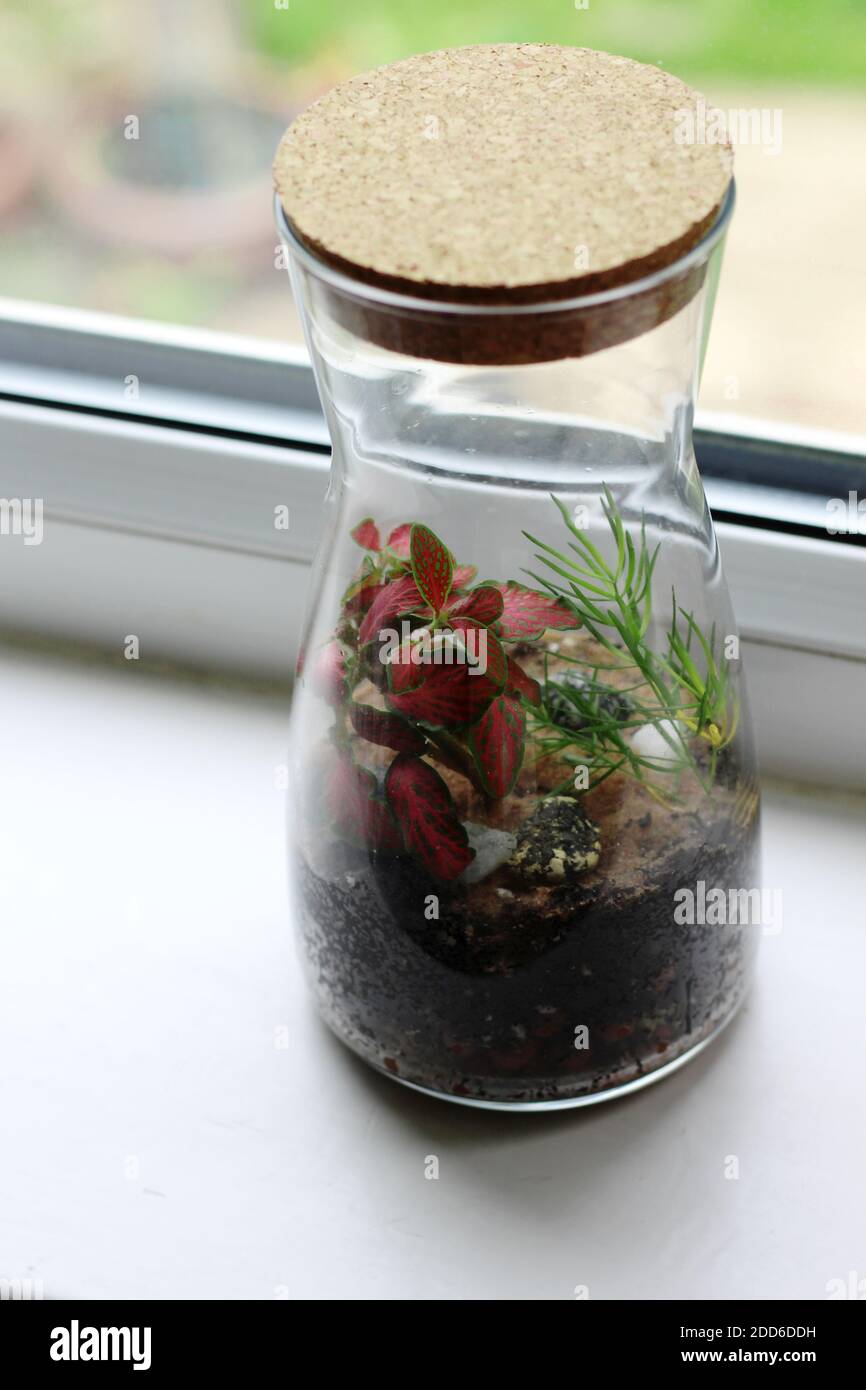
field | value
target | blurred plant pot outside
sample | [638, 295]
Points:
[19, 164]
[176, 169]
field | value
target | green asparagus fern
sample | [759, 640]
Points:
[684, 691]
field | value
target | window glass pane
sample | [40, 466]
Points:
[136, 140]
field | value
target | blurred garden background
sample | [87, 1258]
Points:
[136, 141]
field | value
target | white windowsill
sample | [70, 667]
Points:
[148, 960]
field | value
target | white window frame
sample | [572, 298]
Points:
[161, 453]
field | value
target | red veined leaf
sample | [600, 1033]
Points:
[448, 697]
[527, 613]
[397, 597]
[485, 653]
[424, 811]
[329, 673]
[432, 566]
[496, 743]
[360, 595]
[371, 665]
[401, 672]
[366, 533]
[351, 795]
[388, 730]
[463, 575]
[465, 643]
[398, 541]
[484, 604]
[517, 682]
[380, 832]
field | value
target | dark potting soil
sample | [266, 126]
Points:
[498, 992]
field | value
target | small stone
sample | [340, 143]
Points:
[557, 843]
[492, 848]
[568, 714]
[659, 742]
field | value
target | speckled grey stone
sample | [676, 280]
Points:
[557, 843]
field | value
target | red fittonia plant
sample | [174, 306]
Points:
[434, 648]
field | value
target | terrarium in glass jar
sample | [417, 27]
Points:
[523, 785]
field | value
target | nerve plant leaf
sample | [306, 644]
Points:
[329, 673]
[360, 595]
[393, 599]
[388, 730]
[432, 645]
[496, 743]
[448, 697]
[422, 806]
[366, 533]
[432, 566]
[485, 654]
[484, 604]
[357, 810]
[402, 673]
[517, 682]
[398, 541]
[463, 576]
[527, 613]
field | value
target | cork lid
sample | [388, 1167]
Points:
[501, 174]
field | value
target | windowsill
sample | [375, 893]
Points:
[156, 1142]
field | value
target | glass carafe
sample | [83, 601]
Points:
[524, 829]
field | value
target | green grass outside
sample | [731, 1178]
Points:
[822, 42]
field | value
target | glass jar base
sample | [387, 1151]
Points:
[616, 1092]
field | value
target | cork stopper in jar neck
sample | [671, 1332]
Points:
[510, 203]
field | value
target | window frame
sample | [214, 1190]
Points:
[161, 502]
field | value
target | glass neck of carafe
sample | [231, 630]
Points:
[620, 416]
